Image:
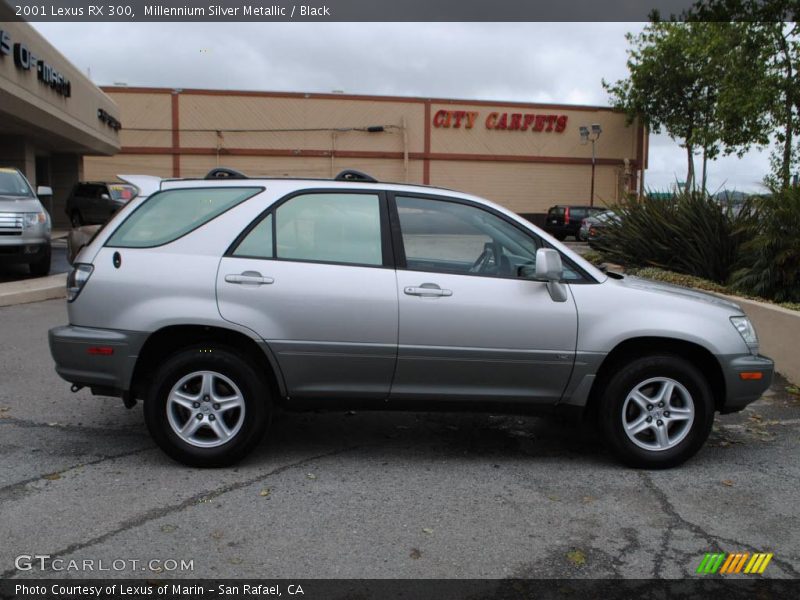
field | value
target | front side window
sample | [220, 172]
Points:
[168, 215]
[330, 227]
[456, 238]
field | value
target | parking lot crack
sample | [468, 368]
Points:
[157, 513]
[25, 423]
[714, 542]
[8, 492]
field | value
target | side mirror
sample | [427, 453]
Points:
[548, 265]
[550, 270]
[105, 197]
[44, 190]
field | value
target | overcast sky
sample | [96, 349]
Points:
[528, 62]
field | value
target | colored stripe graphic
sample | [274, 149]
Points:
[711, 562]
[734, 563]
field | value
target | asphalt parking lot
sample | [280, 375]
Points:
[409, 495]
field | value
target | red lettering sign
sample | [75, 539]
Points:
[457, 119]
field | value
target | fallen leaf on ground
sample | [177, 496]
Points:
[727, 482]
[217, 534]
[427, 530]
[53, 476]
[576, 557]
[168, 528]
[588, 499]
[415, 553]
[265, 492]
[311, 476]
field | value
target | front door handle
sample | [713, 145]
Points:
[249, 278]
[427, 290]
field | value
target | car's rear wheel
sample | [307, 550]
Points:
[657, 411]
[75, 218]
[41, 266]
[208, 407]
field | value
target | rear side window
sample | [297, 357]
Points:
[556, 211]
[168, 215]
[257, 243]
[330, 227]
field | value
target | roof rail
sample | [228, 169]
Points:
[224, 173]
[353, 175]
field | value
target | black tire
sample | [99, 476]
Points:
[76, 219]
[625, 380]
[41, 266]
[229, 364]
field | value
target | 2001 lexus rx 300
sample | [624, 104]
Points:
[215, 299]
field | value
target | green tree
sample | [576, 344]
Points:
[775, 99]
[695, 81]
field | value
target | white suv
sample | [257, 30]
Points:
[24, 223]
[215, 299]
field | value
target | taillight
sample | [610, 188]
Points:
[566, 216]
[76, 279]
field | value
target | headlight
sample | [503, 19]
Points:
[76, 279]
[745, 329]
[34, 219]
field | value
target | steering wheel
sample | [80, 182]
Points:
[491, 252]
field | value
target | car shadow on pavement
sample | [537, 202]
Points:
[435, 435]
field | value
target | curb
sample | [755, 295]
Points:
[33, 290]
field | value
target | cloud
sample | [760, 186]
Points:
[534, 62]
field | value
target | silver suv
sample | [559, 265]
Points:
[214, 300]
[24, 223]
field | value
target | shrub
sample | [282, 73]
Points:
[689, 234]
[769, 263]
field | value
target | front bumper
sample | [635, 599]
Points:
[75, 353]
[741, 392]
[24, 251]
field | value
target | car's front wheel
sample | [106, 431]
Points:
[207, 407]
[657, 411]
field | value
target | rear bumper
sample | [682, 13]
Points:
[741, 392]
[111, 373]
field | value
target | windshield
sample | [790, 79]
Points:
[12, 183]
[122, 192]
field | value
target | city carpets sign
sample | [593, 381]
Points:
[25, 60]
[457, 119]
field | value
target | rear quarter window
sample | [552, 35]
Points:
[166, 216]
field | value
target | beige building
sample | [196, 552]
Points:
[524, 156]
[51, 115]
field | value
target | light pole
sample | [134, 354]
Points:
[591, 135]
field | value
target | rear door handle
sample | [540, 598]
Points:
[249, 278]
[427, 290]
